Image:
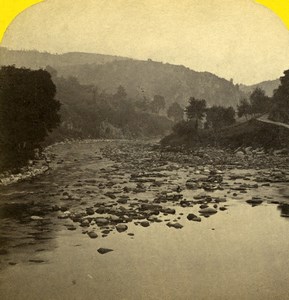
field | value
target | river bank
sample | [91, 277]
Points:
[42, 163]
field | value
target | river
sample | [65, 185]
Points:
[238, 250]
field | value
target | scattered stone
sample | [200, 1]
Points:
[92, 234]
[192, 217]
[101, 221]
[71, 227]
[168, 211]
[111, 195]
[202, 206]
[90, 211]
[121, 227]
[208, 210]
[104, 250]
[175, 225]
[145, 224]
[115, 219]
[255, 201]
[85, 223]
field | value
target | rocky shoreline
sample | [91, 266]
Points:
[34, 168]
[143, 185]
[94, 190]
[40, 165]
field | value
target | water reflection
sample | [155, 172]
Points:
[25, 227]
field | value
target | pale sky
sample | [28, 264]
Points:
[237, 39]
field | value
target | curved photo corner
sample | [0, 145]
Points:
[9, 11]
[279, 7]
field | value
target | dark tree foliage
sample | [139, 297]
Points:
[158, 104]
[219, 116]
[244, 108]
[184, 128]
[175, 112]
[280, 101]
[28, 112]
[88, 112]
[196, 110]
[260, 103]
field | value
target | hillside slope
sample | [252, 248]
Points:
[253, 133]
[148, 78]
[139, 78]
[268, 86]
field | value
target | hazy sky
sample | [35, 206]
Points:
[237, 39]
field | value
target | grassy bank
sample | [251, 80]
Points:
[252, 133]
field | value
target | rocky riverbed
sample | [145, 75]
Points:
[127, 218]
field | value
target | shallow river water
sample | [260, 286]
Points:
[239, 252]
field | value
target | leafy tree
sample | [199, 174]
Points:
[196, 110]
[219, 116]
[260, 103]
[158, 104]
[175, 112]
[244, 108]
[280, 101]
[28, 112]
[229, 116]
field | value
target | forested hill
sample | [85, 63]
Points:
[36, 59]
[268, 86]
[149, 78]
[139, 78]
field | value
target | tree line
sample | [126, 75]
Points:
[32, 101]
[216, 117]
[277, 106]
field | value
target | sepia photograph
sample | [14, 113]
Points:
[144, 151]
